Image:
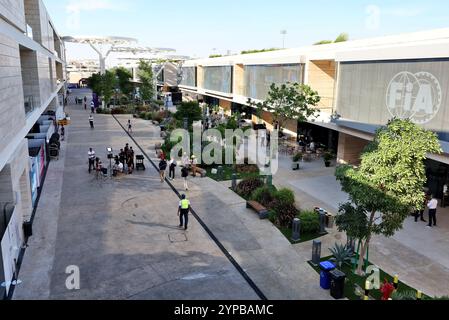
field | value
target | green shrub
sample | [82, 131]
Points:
[159, 116]
[310, 222]
[103, 111]
[248, 186]
[148, 116]
[342, 254]
[264, 195]
[118, 110]
[142, 115]
[286, 196]
[142, 109]
[272, 216]
[298, 157]
[404, 295]
[247, 168]
[285, 212]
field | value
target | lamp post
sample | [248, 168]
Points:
[110, 156]
[283, 33]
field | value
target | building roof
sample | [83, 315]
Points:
[424, 44]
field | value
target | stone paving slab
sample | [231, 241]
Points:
[117, 233]
[259, 247]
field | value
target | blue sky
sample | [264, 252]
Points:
[197, 27]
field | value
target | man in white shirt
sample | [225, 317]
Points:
[432, 205]
[92, 156]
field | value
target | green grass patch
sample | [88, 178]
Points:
[227, 174]
[353, 280]
[287, 232]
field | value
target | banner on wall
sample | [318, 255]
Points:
[375, 92]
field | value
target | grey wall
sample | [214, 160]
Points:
[374, 92]
[13, 11]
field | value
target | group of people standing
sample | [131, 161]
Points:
[430, 203]
[95, 163]
[188, 165]
[124, 161]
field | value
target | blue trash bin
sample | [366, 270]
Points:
[325, 278]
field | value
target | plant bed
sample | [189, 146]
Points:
[228, 171]
[354, 281]
[287, 232]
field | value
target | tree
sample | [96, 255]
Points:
[95, 83]
[145, 74]
[109, 83]
[124, 77]
[189, 110]
[289, 102]
[341, 38]
[388, 185]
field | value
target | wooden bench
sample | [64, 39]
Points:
[200, 171]
[260, 209]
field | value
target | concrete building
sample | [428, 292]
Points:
[363, 83]
[79, 70]
[32, 82]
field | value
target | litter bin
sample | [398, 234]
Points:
[338, 279]
[325, 280]
[330, 221]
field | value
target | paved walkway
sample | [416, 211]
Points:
[121, 233]
[280, 271]
[418, 254]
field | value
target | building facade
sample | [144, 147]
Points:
[32, 83]
[362, 85]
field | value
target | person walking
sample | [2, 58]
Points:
[162, 168]
[62, 133]
[130, 127]
[131, 157]
[185, 175]
[85, 103]
[172, 168]
[92, 107]
[183, 212]
[432, 205]
[92, 157]
[91, 121]
[122, 157]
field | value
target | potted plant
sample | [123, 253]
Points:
[328, 157]
[296, 159]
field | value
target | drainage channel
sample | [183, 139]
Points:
[201, 222]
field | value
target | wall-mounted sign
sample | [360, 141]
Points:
[415, 96]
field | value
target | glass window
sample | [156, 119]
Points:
[189, 76]
[218, 79]
[259, 78]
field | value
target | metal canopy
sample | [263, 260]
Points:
[97, 44]
[100, 40]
